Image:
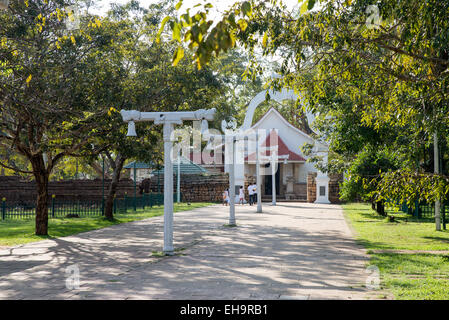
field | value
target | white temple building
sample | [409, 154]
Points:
[291, 164]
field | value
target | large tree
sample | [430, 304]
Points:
[136, 73]
[45, 112]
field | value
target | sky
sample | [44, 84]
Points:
[221, 5]
[101, 7]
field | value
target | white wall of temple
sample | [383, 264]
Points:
[290, 135]
[298, 170]
[292, 138]
[303, 170]
[287, 171]
[250, 169]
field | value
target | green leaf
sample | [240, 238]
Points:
[231, 19]
[307, 5]
[177, 31]
[265, 39]
[179, 54]
[311, 4]
[161, 29]
[246, 8]
[186, 20]
[178, 5]
[242, 24]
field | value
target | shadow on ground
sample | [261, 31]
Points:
[290, 250]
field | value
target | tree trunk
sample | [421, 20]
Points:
[380, 208]
[373, 205]
[41, 176]
[109, 206]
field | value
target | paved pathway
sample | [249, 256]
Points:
[291, 251]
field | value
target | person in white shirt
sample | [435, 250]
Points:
[241, 196]
[226, 197]
[255, 193]
[250, 193]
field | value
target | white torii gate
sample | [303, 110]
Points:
[168, 120]
[322, 180]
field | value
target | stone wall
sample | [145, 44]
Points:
[15, 189]
[334, 187]
[311, 187]
[195, 188]
[203, 188]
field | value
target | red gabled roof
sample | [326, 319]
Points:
[283, 150]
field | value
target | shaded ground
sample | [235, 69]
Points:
[14, 232]
[291, 251]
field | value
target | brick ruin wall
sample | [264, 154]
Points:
[334, 187]
[16, 189]
[194, 188]
[203, 188]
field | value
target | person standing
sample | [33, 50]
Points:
[225, 197]
[250, 194]
[255, 193]
[241, 196]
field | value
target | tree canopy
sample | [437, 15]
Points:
[376, 72]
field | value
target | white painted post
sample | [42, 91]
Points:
[168, 190]
[178, 185]
[322, 181]
[168, 120]
[258, 182]
[273, 179]
[232, 185]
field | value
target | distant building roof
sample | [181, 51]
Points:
[283, 150]
[186, 167]
[139, 165]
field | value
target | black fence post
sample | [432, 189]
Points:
[417, 209]
[3, 208]
[126, 203]
[115, 205]
[143, 200]
[52, 205]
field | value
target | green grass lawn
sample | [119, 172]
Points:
[14, 232]
[407, 276]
